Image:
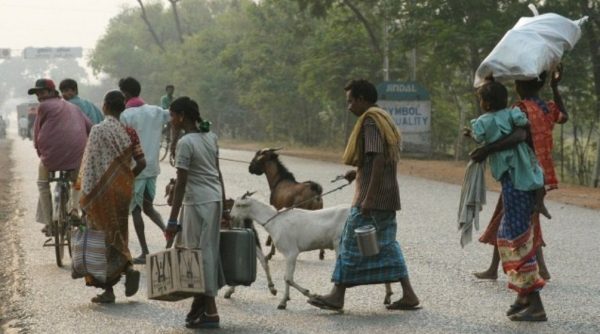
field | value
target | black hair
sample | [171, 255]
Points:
[130, 86]
[68, 84]
[115, 101]
[190, 111]
[361, 88]
[531, 87]
[169, 86]
[495, 94]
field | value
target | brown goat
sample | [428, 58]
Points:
[285, 190]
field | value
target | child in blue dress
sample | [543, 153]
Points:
[520, 161]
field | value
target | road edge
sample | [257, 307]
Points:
[13, 314]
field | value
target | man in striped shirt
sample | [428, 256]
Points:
[374, 148]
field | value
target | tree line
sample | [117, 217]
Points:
[274, 70]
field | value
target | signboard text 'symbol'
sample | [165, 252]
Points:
[410, 106]
[50, 53]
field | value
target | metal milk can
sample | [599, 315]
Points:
[366, 237]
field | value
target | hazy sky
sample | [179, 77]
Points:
[54, 23]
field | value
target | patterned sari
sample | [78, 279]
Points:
[107, 186]
[515, 241]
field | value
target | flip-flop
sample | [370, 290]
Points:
[516, 308]
[323, 304]
[104, 298]
[204, 322]
[529, 317]
[397, 305]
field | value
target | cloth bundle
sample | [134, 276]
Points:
[533, 45]
[472, 199]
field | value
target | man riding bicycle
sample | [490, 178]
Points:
[60, 135]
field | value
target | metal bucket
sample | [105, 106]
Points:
[366, 238]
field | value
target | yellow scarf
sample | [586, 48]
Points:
[387, 128]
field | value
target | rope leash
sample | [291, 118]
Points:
[240, 161]
[339, 177]
[226, 159]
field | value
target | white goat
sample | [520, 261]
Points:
[296, 231]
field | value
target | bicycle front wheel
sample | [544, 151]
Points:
[61, 229]
[58, 241]
[68, 231]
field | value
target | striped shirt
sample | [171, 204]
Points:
[387, 197]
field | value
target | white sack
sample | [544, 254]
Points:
[533, 45]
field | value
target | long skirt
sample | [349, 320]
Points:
[200, 229]
[490, 234]
[515, 240]
[352, 268]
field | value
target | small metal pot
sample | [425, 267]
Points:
[366, 237]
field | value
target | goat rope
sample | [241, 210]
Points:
[226, 159]
[310, 199]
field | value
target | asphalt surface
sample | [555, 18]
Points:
[441, 271]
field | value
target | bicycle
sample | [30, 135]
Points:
[61, 220]
[165, 141]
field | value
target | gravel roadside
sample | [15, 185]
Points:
[13, 318]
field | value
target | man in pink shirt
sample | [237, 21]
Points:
[60, 136]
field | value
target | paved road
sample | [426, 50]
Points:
[453, 301]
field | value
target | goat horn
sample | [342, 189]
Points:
[276, 149]
[248, 194]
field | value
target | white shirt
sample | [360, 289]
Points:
[148, 122]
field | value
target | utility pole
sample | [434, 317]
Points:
[413, 64]
[596, 181]
[386, 49]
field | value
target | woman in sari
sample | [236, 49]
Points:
[522, 179]
[200, 191]
[107, 180]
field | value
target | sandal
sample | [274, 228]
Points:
[196, 310]
[516, 308]
[321, 303]
[526, 316]
[47, 230]
[401, 305]
[204, 321]
[140, 259]
[104, 298]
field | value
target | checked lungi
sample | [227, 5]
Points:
[352, 268]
